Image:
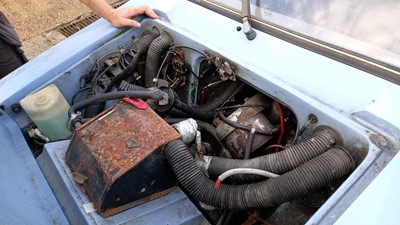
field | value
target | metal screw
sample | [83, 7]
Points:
[16, 108]
[312, 118]
[379, 140]
[382, 142]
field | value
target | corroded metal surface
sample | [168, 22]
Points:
[119, 152]
[235, 139]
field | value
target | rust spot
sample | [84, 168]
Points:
[119, 152]
[79, 178]
[254, 219]
[113, 211]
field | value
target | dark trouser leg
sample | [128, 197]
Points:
[10, 59]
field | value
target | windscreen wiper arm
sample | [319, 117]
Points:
[246, 18]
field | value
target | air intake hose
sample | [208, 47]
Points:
[153, 59]
[278, 163]
[140, 46]
[126, 64]
[298, 182]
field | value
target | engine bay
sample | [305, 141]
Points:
[155, 110]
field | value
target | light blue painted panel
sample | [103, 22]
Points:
[378, 204]
[25, 197]
[174, 208]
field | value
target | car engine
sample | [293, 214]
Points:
[155, 114]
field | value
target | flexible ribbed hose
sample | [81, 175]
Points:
[279, 162]
[126, 64]
[154, 56]
[298, 182]
[126, 86]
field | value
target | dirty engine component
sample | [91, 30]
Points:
[126, 155]
[117, 158]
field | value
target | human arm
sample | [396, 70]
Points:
[119, 17]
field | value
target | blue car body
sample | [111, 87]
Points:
[363, 107]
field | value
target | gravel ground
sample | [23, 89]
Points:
[35, 20]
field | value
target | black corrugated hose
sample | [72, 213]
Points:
[126, 86]
[138, 48]
[315, 173]
[154, 56]
[126, 64]
[279, 162]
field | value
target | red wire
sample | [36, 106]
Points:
[217, 184]
[282, 122]
[202, 95]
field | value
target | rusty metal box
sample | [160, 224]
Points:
[117, 158]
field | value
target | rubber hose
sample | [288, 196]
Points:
[250, 139]
[194, 112]
[207, 111]
[154, 57]
[126, 86]
[316, 173]
[140, 47]
[93, 109]
[127, 62]
[137, 49]
[174, 112]
[156, 95]
[226, 94]
[279, 162]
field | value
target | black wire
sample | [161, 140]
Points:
[163, 63]
[186, 47]
[240, 106]
[101, 60]
[188, 66]
[228, 217]
[92, 71]
[250, 139]
[94, 80]
[222, 217]
[78, 92]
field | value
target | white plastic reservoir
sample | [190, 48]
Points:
[48, 109]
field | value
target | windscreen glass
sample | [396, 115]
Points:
[370, 28]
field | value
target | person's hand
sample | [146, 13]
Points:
[123, 17]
